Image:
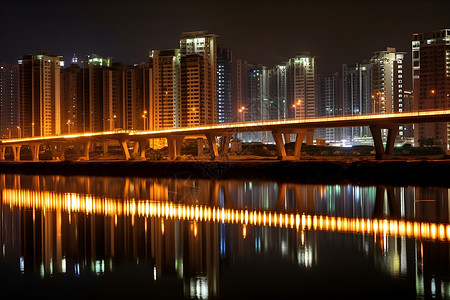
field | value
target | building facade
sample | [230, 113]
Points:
[301, 73]
[72, 99]
[198, 78]
[9, 96]
[165, 89]
[356, 97]
[224, 85]
[431, 82]
[40, 95]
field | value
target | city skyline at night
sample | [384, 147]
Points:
[266, 32]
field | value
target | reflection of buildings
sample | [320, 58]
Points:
[195, 227]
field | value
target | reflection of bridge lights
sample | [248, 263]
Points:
[89, 204]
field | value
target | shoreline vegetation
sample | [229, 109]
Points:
[424, 166]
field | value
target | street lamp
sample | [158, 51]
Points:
[18, 131]
[243, 110]
[114, 117]
[9, 132]
[144, 116]
[68, 126]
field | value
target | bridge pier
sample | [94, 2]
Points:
[2, 153]
[380, 151]
[16, 151]
[212, 142]
[124, 145]
[139, 148]
[278, 137]
[84, 152]
[174, 143]
[35, 151]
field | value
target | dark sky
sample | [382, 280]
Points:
[262, 32]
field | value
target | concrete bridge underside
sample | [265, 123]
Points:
[219, 136]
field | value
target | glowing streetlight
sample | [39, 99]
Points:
[114, 118]
[144, 116]
[18, 132]
[68, 126]
[243, 110]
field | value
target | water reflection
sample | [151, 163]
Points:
[198, 229]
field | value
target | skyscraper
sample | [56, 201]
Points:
[327, 95]
[72, 99]
[301, 86]
[198, 78]
[277, 87]
[96, 92]
[40, 95]
[387, 81]
[8, 99]
[431, 82]
[164, 107]
[224, 97]
[136, 91]
[356, 96]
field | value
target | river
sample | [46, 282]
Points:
[89, 237]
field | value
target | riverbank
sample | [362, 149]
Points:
[360, 172]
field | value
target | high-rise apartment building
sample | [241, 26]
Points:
[388, 84]
[431, 82]
[96, 92]
[72, 99]
[356, 97]
[301, 72]
[136, 97]
[327, 95]
[165, 109]
[224, 87]
[387, 81]
[9, 95]
[239, 92]
[198, 78]
[40, 95]
[277, 97]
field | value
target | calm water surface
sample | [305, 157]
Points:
[173, 238]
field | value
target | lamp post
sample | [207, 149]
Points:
[32, 129]
[243, 110]
[144, 116]
[68, 126]
[114, 117]
[9, 132]
[18, 132]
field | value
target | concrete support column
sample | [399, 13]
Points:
[174, 143]
[35, 151]
[287, 138]
[2, 153]
[298, 143]
[278, 137]
[224, 144]
[309, 137]
[16, 152]
[105, 147]
[142, 146]
[380, 151]
[280, 145]
[84, 153]
[124, 145]
[212, 141]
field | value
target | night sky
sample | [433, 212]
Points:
[262, 32]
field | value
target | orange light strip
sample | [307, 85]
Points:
[71, 202]
[239, 125]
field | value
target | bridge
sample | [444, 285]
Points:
[281, 131]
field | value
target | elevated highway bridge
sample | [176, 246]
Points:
[281, 131]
